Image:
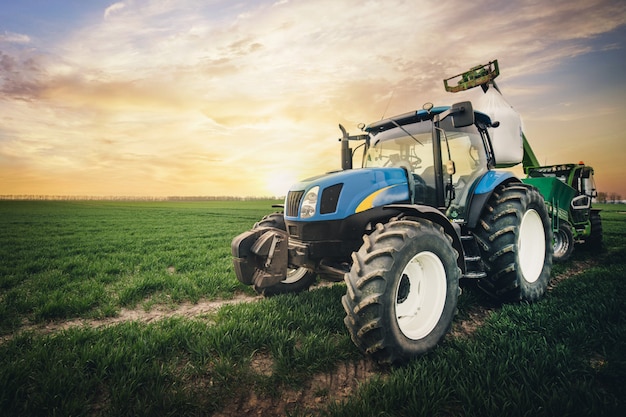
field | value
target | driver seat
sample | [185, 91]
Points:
[426, 195]
[429, 176]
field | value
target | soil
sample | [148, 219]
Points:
[312, 396]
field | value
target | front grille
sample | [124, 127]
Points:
[293, 202]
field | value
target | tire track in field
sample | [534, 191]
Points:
[461, 328]
[186, 309]
[158, 312]
[479, 313]
[322, 388]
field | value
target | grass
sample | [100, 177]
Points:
[175, 365]
[562, 356]
[61, 260]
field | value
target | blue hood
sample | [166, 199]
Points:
[358, 190]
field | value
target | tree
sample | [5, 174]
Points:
[615, 198]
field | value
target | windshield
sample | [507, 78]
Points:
[395, 147]
[412, 149]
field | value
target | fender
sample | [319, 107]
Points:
[435, 216]
[483, 191]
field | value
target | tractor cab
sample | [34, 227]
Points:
[442, 158]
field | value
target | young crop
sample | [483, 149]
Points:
[59, 261]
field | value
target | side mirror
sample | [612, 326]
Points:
[582, 202]
[462, 114]
[450, 167]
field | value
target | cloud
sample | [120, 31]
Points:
[20, 76]
[113, 9]
[175, 94]
[18, 38]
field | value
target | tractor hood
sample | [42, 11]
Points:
[338, 195]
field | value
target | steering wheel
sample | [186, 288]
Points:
[415, 161]
[419, 180]
[410, 165]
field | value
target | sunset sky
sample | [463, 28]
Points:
[226, 97]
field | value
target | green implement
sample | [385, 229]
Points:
[480, 75]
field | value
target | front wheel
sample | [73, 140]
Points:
[297, 279]
[402, 290]
[594, 240]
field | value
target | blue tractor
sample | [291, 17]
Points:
[426, 209]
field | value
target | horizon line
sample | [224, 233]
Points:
[47, 197]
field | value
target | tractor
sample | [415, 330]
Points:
[428, 207]
[568, 190]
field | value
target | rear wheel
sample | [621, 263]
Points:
[402, 290]
[563, 242]
[297, 279]
[515, 238]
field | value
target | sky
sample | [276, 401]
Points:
[244, 98]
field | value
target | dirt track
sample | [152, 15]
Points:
[205, 306]
[321, 388]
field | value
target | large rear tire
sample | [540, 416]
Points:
[297, 279]
[402, 290]
[515, 238]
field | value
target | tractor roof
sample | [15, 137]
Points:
[416, 117]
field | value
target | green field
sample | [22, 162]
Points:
[87, 259]
[62, 261]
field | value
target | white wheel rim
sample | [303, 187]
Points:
[531, 244]
[420, 295]
[561, 244]
[294, 275]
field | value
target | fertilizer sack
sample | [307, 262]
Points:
[506, 139]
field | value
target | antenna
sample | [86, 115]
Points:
[388, 102]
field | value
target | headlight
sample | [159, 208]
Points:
[309, 203]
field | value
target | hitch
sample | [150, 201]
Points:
[261, 256]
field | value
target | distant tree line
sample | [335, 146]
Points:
[613, 198]
[602, 197]
[134, 198]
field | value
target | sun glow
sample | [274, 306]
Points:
[277, 183]
[244, 99]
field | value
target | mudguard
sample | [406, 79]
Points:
[481, 194]
[260, 256]
[435, 216]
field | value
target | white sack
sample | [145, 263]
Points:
[506, 139]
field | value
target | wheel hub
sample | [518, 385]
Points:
[532, 245]
[404, 289]
[420, 295]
